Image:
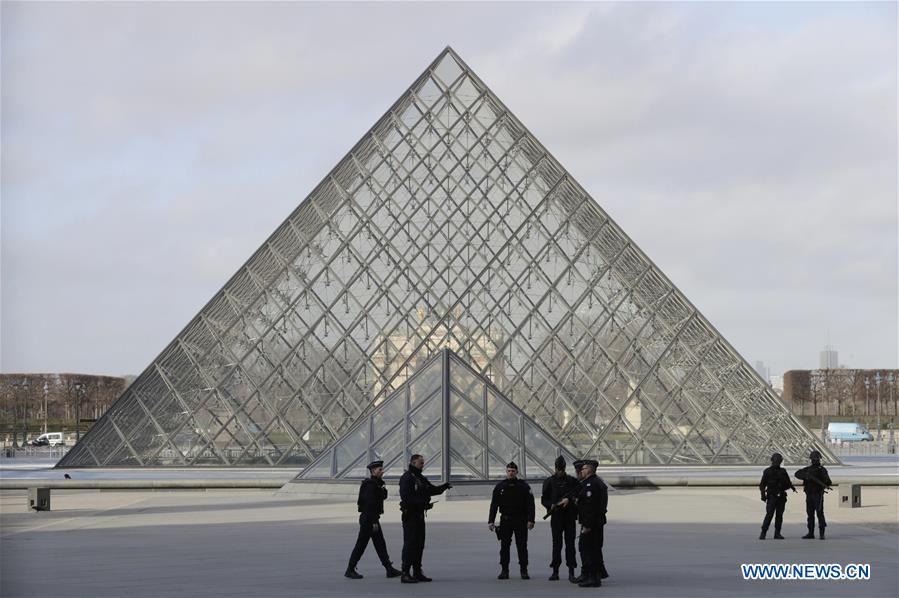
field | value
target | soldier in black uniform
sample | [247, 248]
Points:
[774, 485]
[559, 493]
[592, 503]
[515, 501]
[415, 498]
[815, 481]
[372, 494]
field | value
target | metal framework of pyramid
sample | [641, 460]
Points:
[462, 424]
[447, 225]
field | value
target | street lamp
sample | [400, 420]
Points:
[25, 387]
[46, 388]
[867, 398]
[877, 379]
[15, 410]
[79, 393]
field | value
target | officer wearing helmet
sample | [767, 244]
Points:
[815, 481]
[774, 485]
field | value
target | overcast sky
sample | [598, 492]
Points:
[148, 149]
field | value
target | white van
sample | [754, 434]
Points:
[50, 438]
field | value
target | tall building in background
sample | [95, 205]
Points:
[448, 226]
[829, 359]
[763, 370]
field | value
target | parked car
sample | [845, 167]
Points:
[848, 432]
[49, 439]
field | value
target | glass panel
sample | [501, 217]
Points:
[390, 413]
[467, 447]
[321, 469]
[466, 382]
[465, 414]
[497, 468]
[459, 470]
[539, 444]
[502, 413]
[424, 417]
[390, 446]
[426, 383]
[533, 469]
[501, 445]
[352, 446]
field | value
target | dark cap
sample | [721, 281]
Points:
[374, 464]
[511, 465]
[578, 464]
[592, 463]
[560, 462]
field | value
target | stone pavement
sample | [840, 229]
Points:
[665, 542]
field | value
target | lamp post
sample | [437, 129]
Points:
[79, 392]
[877, 379]
[15, 413]
[867, 397]
[46, 388]
[25, 387]
[890, 379]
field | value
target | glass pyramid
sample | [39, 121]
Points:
[460, 422]
[447, 225]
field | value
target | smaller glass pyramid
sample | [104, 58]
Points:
[465, 428]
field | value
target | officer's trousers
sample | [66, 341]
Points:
[508, 528]
[564, 528]
[814, 505]
[590, 547]
[774, 507]
[366, 532]
[413, 540]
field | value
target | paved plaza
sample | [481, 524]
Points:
[662, 542]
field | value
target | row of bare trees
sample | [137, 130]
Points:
[31, 404]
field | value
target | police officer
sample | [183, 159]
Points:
[415, 498]
[815, 481]
[515, 501]
[372, 494]
[774, 485]
[558, 496]
[592, 503]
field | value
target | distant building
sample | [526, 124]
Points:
[763, 370]
[829, 359]
[777, 383]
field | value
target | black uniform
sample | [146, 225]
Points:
[592, 503]
[372, 494]
[415, 498]
[774, 485]
[515, 502]
[814, 481]
[563, 521]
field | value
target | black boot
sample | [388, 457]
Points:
[821, 533]
[351, 573]
[591, 580]
[503, 573]
[406, 578]
[777, 535]
[579, 578]
[555, 575]
[762, 535]
[420, 576]
[391, 572]
[810, 535]
[602, 571]
[524, 573]
[571, 575]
